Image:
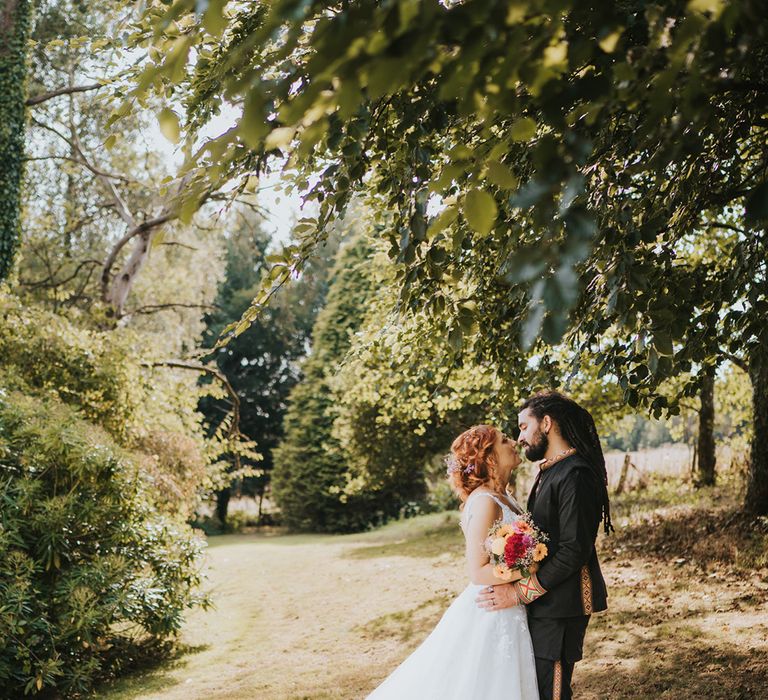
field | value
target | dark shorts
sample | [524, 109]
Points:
[556, 638]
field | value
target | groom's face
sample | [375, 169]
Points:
[532, 438]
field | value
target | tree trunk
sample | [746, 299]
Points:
[756, 501]
[222, 504]
[706, 442]
[694, 462]
[125, 278]
[15, 21]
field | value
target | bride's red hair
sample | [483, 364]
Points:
[472, 462]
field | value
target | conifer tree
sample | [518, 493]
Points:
[311, 468]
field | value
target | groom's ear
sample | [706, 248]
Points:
[546, 424]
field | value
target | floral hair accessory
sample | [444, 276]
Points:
[453, 465]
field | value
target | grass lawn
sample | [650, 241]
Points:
[300, 616]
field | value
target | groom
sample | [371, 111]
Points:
[567, 502]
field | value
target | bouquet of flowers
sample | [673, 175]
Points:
[517, 545]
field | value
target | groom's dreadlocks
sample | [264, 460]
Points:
[578, 429]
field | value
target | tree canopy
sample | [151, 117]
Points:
[560, 158]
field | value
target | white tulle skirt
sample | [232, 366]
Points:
[472, 654]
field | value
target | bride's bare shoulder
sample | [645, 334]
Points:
[478, 507]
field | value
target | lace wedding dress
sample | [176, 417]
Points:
[472, 654]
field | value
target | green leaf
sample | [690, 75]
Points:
[715, 7]
[501, 176]
[213, 19]
[169, 125]
[409, 10]
[253, 126]
[608, 43]
[384, 77]
[189, 206]
[279, 138]
[455, 338]
[467, 320]
[653, 360]
[757, 203]
[555, 325]
[480, 211]
[442, 221]
[532, 325]
[662, 341]
[523, 129]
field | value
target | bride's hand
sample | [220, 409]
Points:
[497, 597]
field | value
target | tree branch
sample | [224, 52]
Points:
[154, 308]
[730, 227]
[738, 361]
[50, 283]
[181, 245]
[234, 429]
[144, 231]
[75, 147]
[45, 96]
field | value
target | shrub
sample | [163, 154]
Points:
[106, 377]
[47, 354]
[88, 569]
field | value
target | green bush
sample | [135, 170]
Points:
[88, 569]
[46, 354]
[105, 377]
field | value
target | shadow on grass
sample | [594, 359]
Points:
[700, 535]
[681, 666]
[405, 625]
[149, 673]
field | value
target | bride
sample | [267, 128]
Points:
[474, 653]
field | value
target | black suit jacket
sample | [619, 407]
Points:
[566, 504]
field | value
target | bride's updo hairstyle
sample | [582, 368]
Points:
[472, 461]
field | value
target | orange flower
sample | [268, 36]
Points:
[505, 530]
[523, 526]
[502, 572]
[540, 552]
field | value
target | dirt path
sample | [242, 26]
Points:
[329, 617]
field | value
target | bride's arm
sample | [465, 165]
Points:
[484, 513]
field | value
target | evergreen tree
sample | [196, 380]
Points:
[311, 467]
[262, 364]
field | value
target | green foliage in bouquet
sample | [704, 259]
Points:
[89, 570]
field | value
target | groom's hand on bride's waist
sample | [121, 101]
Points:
[529, 589]
[498, 597]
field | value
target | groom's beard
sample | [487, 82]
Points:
[537, 449]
